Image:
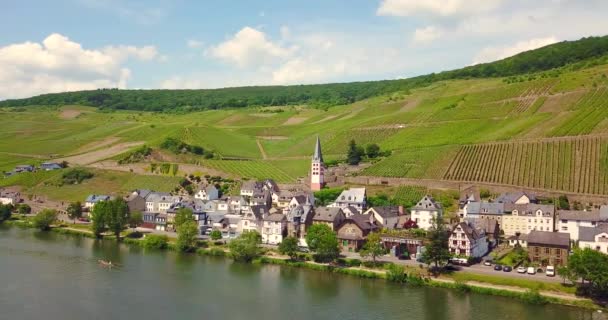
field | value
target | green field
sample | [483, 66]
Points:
[542, 131]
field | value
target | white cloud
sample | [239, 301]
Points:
[59, 64]
[194, 44]
[177, 82]
[489, 54]
[426, 35]
[444, 8]
[250, 47]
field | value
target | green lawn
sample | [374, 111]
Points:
[508, 281]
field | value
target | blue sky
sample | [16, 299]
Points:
[61, 45]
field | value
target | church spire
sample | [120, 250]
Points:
[318, 156]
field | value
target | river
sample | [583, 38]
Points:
[50, 276]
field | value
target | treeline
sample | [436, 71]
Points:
[546, 58]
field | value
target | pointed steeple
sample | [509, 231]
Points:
[318, 156]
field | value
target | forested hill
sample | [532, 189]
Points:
[573, 53]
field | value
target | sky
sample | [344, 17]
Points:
[67, 45]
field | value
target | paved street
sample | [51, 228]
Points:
[476, 268]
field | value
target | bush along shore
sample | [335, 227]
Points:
[409, 276]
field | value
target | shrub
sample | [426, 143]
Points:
[396, 273]
[44, 219]
[75, 176]
[353, 262]
[533, 296]
[215, 235]
[135, 235]
[155, 241]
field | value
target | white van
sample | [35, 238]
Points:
[550, 272]
[531, 270]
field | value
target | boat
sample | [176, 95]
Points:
[105, 263]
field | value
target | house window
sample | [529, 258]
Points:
[547, 250]
[344, 243]
[455, 242]
[558, 252]
[464, 243]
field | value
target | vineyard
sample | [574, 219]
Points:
[589, 111]
[574, 165]
[254, 169]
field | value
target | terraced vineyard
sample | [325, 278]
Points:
[573, 164]
[250, 169]
[589, 111]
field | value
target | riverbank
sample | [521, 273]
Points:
[408, 276]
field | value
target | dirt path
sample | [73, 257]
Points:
[262, 151]
[98, 155]
[551, 294]
[34, 156]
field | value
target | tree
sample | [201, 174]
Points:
[5, 212]
[74, 210]
[246, 247]
[566, 274]
[155, 241]
[135, 219]
[372, 150]
[592, 266]
[323, 241]
[373, 247]
[437, 251]
[563, 203]
[24, 209]
[181, 216]
[215, 235]
[289, 247]
[186, 236]
[353, 156]
[99, 216]
[326, 196]
[44, 219]
[117, 216]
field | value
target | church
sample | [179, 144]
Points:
[317, 169]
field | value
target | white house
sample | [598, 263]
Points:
[570, 221]
[353, 197]
[388, 216]
[9, 197]
[208, 193]
[274, 228]
[468, 241]
[425, 211]
[516, 198]
[253, 218]
[94, 199]
[524, 218]
[160, 201]
[595, 238]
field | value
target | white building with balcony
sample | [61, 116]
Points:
[468, 241]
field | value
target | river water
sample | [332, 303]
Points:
[50, 276]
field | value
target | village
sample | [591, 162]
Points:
[532, 237]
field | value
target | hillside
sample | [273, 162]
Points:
[574, 54]
[547, 131]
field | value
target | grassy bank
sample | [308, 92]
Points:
[513, 282]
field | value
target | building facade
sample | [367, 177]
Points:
[548, 248]
[466, 240]
[425, 211]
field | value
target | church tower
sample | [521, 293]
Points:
[317, 169]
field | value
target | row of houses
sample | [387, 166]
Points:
[548, 233]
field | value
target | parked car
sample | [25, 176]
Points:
[507, 269]
[487, 263]
[550, 272]
[83, 219]
[459, 261]
[521, 269]
[531, 270]
[498, 267]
